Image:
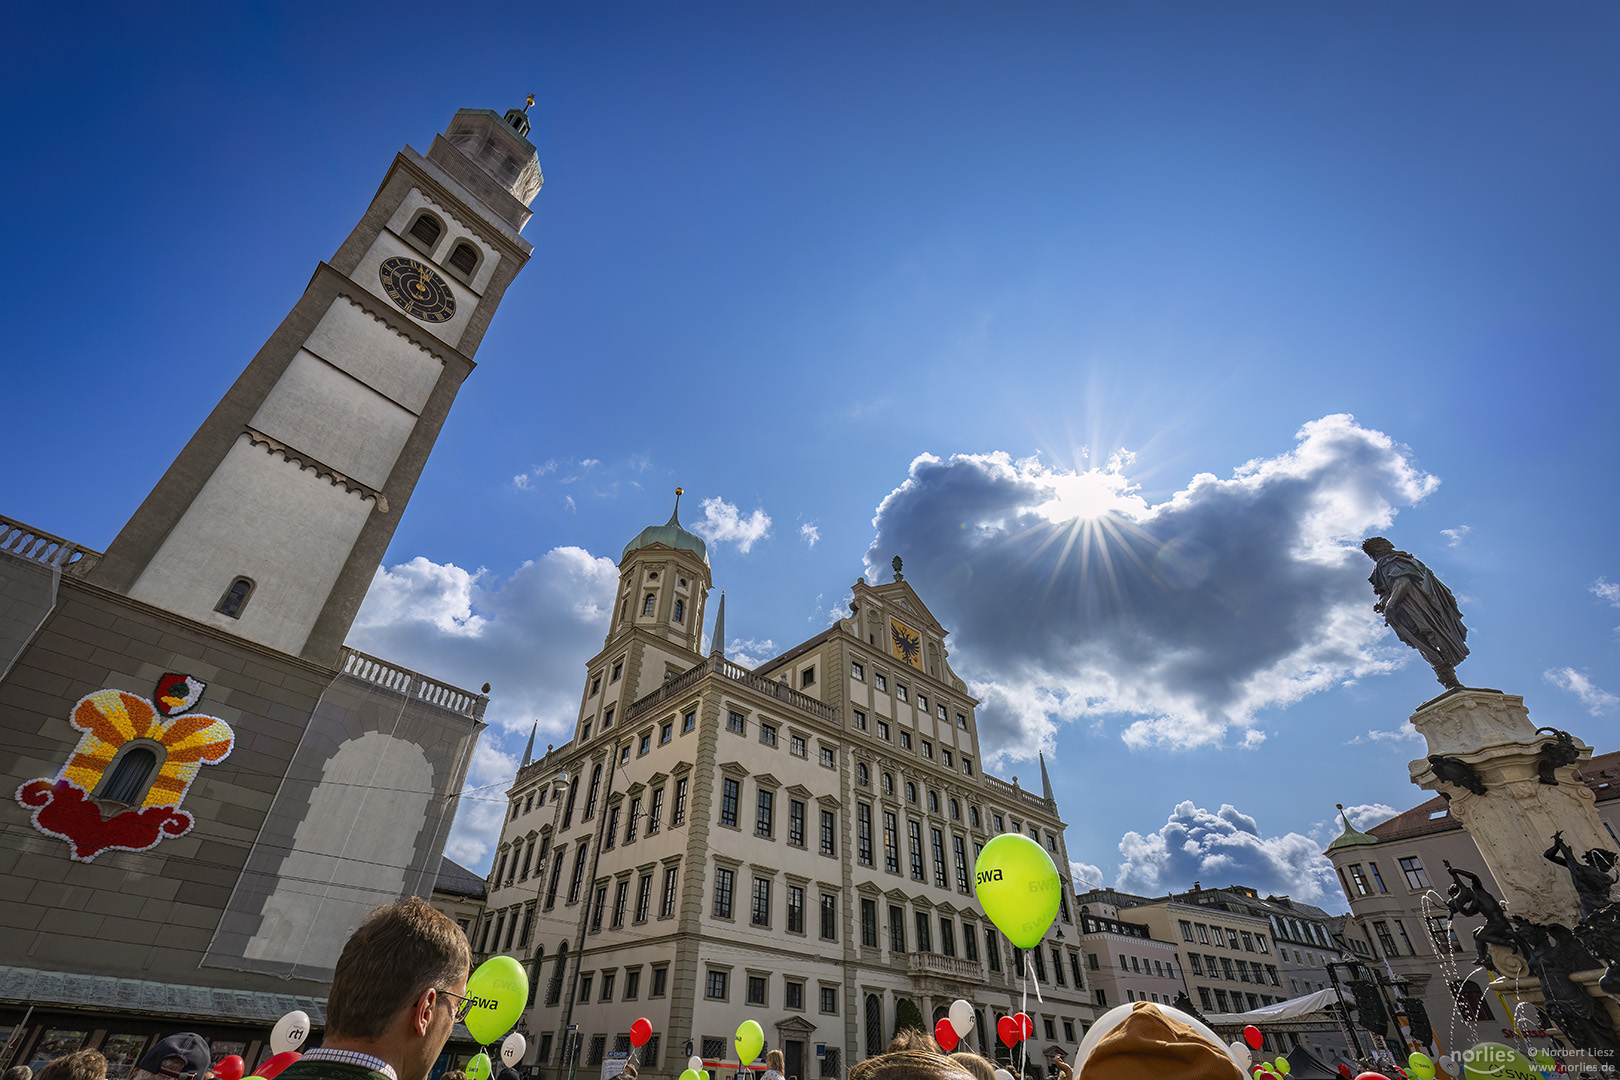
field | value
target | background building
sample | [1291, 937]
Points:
[793, 843]
[1395, 879]
[210, 789]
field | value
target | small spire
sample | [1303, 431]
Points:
[675, 514]
[530, 103]
[528, 751]
[718, 646]
[898, 576]
[1046, 781]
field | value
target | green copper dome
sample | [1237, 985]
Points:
[1352, 836]
[669, 534]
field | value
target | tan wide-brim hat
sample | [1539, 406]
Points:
[1148, 1045]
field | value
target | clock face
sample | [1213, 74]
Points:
[417, 289]
[905, 643]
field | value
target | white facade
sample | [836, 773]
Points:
[793, 844]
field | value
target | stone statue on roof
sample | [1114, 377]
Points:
[1418, 607]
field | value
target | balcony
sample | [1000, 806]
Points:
[736, 673]
[52, 552]
[412, 684]
[945, 967]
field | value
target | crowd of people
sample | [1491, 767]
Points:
[400, 986]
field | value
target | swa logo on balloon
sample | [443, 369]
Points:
[989, 875]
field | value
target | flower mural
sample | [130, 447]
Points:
[121, 787]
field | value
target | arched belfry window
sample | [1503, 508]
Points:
[464, 258]
[680, 610]
[647, 605]
[426, 229]
[235, 598]
[129, 778]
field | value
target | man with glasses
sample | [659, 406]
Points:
[398, 990]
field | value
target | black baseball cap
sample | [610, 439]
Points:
[188, 1047]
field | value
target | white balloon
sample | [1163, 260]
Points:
[961, 1017]
[290, 1032]
[1448, 1063]
[695, 1063]
[1239, 1052]
[512, 1049]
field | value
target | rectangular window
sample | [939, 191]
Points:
[829, 917]
[666, 906]
[656, 813]
[756, 989]
[598, 905]
[925, 940]
[859, 719]
[765, 818]
[1074, 969]
[1186, 930]
[607, 718]
[635, 816]
[666, 733]
[928, 749]
[1203, 933]
[883, 730]
[1248, 940]
[792, 994]
[715, 987]
[795, 909]
[767, 733]
[992, 948]
[807, 677]
[1213, 966]
[632, 983]
[644, 745]
[1226, 969]
[608, 978]
[938, 840]
[914, 834]
[897, 929]
[1260, 943]
[945, 758]
[1412, 867]
[1204, 999]
[1378, 879]
[901, 692]
[677, 813]
[585, 982]
[829, 999]
[760, 913]
[643, 897]
[797, 746]
[891, 843]
[796, 823]
[829, 757]
[959, 845]
[729, 791]
[922, 703]
[828, 833]
[947, 936]
[736, 721]
[869, 929]
[1197, 964]
[857, 670]
[880, 681]
[723, 879]
[1359, 877]
[688, 720]
[621, 902]
[970, 942]
[660, 982]
[1400, 928]
[863, 833]
[905, 740]
[579, 872]
[611, 836]
[556, 878]
[618, 670]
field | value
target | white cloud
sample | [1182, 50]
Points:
[1455, 536]
[750, 652]
[1604, 589]
[723, 522]
[1220, 848]
[809, 534]
[590, 463]
[1596, 699]
[1365, 815]
[522, 482]
[528, 635]
[1405, 733]
[1085, 875]
[1192, 615]
[568, 504]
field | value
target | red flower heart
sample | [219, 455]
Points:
[945, 1034]
[1007, 1029]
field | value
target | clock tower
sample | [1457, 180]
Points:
[272, 521]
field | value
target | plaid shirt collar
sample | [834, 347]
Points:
[352, 1057]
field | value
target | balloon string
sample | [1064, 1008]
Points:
[1029, 964]
[1023, 1010]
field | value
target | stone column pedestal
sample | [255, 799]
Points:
[1514, 820]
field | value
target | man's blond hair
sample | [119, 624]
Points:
[399, 951]
[79, 1065]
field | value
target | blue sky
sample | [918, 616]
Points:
[1014, 265]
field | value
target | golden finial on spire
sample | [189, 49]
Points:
[530, 103]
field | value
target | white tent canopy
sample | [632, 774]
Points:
[1292, 1009]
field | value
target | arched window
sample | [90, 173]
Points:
[426, 229]
[464, 258]
[235, 598]
[862, 775]
[128, 781]
[590, 799]
[911, 792]
[680, 610]
[554, 987]
[647, 604]
[888, 783]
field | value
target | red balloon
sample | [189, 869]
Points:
[1371, 1076]
[640, 1032]
[1251, 1035]
[1007, 1029]
[1026, 1026]
[230, 1068]
[272, 1068]
[946, 1035]
[1344, 1071]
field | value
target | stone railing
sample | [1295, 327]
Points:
[412, 684]
[716, 665]
[948, 967]
[1004, 790]
[40, 547]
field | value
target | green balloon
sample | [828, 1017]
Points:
[1495, 1061]
[689, 1074]
[1420, 1065]
[1281, 1066]
[478, 1067]
[1018, 887]
[498, 991]
[749, 1040]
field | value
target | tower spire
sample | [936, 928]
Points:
[718, 648]
[1046, 781]
[528, 751]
